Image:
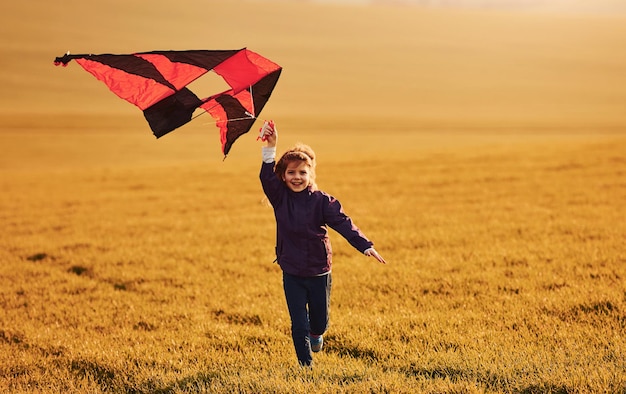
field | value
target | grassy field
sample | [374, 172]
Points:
[506, 270]
[483, 152]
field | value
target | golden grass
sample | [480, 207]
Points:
[483, 152]
[506, 268]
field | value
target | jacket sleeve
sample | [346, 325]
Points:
[337, 220]
[271, 184]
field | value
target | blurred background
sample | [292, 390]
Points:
[436, 62]
[471, 66]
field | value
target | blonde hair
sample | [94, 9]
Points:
[300, 152]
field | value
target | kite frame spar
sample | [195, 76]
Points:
[156, 82]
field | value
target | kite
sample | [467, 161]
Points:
[156, 82]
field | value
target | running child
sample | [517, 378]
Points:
[303, 248]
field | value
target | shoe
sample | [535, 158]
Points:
[316, 343]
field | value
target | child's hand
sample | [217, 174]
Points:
[271, 134]
[372, 252]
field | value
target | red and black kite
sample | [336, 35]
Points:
[156, 82]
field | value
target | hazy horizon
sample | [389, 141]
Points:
[602, 7]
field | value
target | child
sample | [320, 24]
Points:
[302, 246]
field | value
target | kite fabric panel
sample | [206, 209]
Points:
[156, 82]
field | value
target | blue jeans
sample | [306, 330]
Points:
[308, 301]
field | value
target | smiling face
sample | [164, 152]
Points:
[297, 175]
[296, 168]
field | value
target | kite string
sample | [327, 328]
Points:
[195, 116]
[227, 120]
[252, 102]
[251, 115]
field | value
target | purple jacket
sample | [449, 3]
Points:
[302, 243]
